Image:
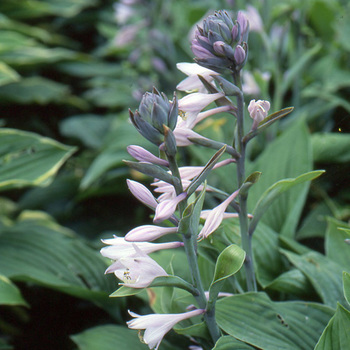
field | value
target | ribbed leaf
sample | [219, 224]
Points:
[27, 159]
[336, 336]
[336, 247]
[324, 274]
[286, 157]
[229, 343]
[255, 319]
[9, 293]
[37, 250]
[108, 337]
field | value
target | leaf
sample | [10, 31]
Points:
[287, 156]
[35, 249]
[230, 343]
[27, 159]
[34, 90]
[10, 294]
[335, 244]
[124, 291]
[108, 337]
[324, 274]
[274, 191]
[7, 74]
[229, 262]
[292, 282]
[346, 286]
[336, 335]
[90, 129]
[330, 147]
[254, 319]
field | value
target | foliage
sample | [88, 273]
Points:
[69, 70]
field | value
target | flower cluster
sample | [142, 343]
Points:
[221, 43]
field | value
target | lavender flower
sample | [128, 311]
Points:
[156, 325]
[258, 111]
[148, 233]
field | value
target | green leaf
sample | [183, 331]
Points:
[9, 293]
[108, 337]
[292, 282]
[346, 286]
[90, 129]
[7, 74]
[254, 319]
[331, 147]
[36, 249]
[229, 262]
[27, 159]
[34, 90]
[283, 158]
[336, 335]
[274, 191]
[335, 245]
[249, 182]
[230, 343]
[324, 274]
[124, 291]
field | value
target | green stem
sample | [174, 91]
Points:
[190, 245]
[243, 214]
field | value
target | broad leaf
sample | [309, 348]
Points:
[336, 335]
[7, 74]
[324, 274]
[108, 337]
[346, 286]
[230, 343]
[274, 191]
[336, 247]
[9, 293]
[287, 156]
[254, 319]
[27, 159]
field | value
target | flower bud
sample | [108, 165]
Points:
[221, 43]
[258, 111]
[155, 110]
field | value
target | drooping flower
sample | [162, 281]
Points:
[258, 111]
[216, 216]
[142, 155]
[119, 248]
[166, 208]
[157, 325]
[136, 271]
[142, 193]
[148, 233]
[192, 82]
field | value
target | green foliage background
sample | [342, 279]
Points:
[66, 82]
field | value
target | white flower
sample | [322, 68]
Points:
[258, 111]
[166, 208]
[142, 193]
[192, 82]
[148, 233]
[136, 271]
[215, 217]
[119, 248]
[156, 325]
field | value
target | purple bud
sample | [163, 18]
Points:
[219, 47]
[200, 52]
[243, 22]
[143, 155]
[239, 54]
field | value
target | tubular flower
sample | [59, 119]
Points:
[155, 110]
[258, 111]
[142, 193]
[119, 248]
[192, 82]
[216, 216]
[157, 325]
[142, 155]
[166, 208]
[136, 271]
[148, 233]
[221, 43]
